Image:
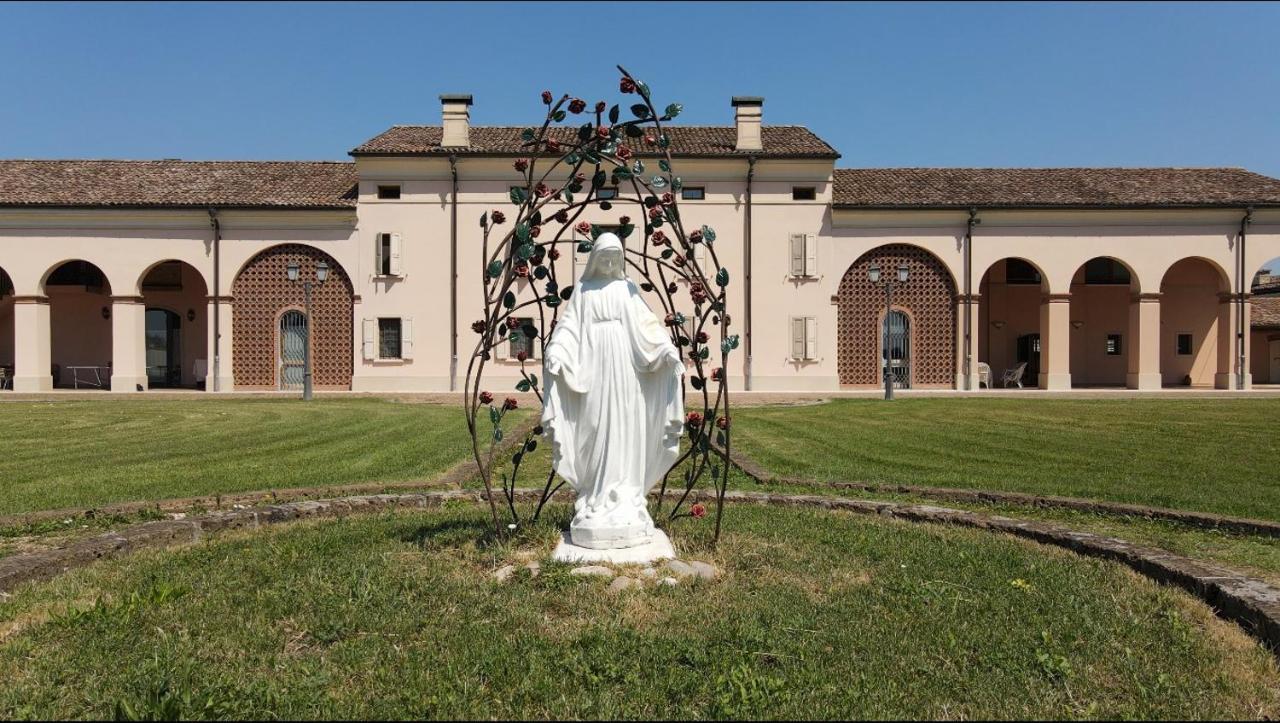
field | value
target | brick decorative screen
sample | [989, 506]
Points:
[263, 291]
[929, 296]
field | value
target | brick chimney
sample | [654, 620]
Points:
[747, 110]
[457, 120]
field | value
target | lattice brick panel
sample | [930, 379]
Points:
[262, 291]
[930, 297]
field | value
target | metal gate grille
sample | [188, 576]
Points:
[293, 344]
[897, 349]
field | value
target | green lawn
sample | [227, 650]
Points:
[818, 615]
[88, 453]
[1210, 455]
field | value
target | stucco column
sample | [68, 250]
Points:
[128, 344]
[1055, 341]
[967, 352]
[1144, 335]
[32, 344]
[219, 339]
[1228, 344]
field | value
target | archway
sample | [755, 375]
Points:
[1102, 336]
[80, 330]
[1009, 334]
[929, 300]
[177, 331]
[6, 331]
[1191, 334]
[262, 292]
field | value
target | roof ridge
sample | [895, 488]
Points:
[162, 160]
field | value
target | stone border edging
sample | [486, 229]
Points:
[1252, 603]
[1245, 525]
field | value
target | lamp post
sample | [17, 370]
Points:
[322, 273]
[873, 275]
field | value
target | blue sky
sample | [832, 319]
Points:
[888, 85]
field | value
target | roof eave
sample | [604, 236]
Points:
[1051, 207]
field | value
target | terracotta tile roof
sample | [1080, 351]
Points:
[178, 184]
[1050, 187]
[778, 141]
[1264, 312]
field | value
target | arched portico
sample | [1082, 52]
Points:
[1008, 328]
[1105, 328]
[1195, 339]
[81, 323]
[175, 298]
[262, 292]
[928, 300]
[7, 338]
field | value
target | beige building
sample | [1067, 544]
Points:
[146, 274]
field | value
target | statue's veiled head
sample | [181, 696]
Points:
[606, 262]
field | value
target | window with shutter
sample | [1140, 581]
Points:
[368, 337]
[797, 337]
[379, 241]
[810, 338]
[797, 254]
[389, 338]
[810, 255]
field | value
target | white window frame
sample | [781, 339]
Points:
[804, 338]
[395, 248]
[377, 191]
[803, 256]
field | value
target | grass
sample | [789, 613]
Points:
[1209, 455]
[818, 615]
[90, 453]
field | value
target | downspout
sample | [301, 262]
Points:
[968, 298]
[1241, 274]
[453, 276]
[746, 262]
[217, 302]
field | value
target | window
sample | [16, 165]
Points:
[388, 192]
[693, 193]
[803, 193]
[388, 339]
[388, 249]
[1113, 345]
[804, 338]
[607, 194]
[519, 341]
[1017, 271]
[1184, 344]
[804, 255]
[1105, 271]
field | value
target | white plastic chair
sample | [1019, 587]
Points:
[1014, 375]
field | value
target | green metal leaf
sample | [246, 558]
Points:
[585, 247]
[552, 300]
[634, 131]
[533, 380]
[493, 415]
[677, 183]
[625, 230]
[585, 131]
[598, 179]
[495, 268]
[518, 195]
[497, 434]
[708, 234]
[509, 300]
[571, 159]
[566, 292]
[640, 110]
[540, 272]
[696, 382]
[596, 230]
[673, 110]
[658, 182]
[614, 114]
[527, 134]
[667, 253]
[522, 385]
[642, 89]
[722, 277]
[525, 251]
[666, 167]
[522, 231]
[531, 445]
[484, 219]
[663, 141]
[637, 167]
[559, 116]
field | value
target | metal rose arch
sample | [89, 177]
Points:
[567, 164]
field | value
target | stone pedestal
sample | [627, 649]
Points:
[659, 548]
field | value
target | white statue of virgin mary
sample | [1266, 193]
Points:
[612, 408]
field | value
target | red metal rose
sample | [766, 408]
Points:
[510, 403]
[668, 199]
[627, 85]
[533, 232]
[702, 337]
[522, 355]
[583, 227]
[722, 422]
[498, 217]
[678, 260]
[623, 153]
[553, 146]
[695, 237]
[521, 164]
[693, 419]
[603, 131]
[650, 140]
[554, 254]
[600, 106]
[577, 105]
[522, 270]
[655, 212]
[512, 322]
[562, 216]
[546, 97]
[698, 510]
[624, 220]
[479, 326]
[486, 398]
[542, 190]
[717, 374]
[672, 287]
[659, 237]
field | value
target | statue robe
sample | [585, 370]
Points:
[613, 409]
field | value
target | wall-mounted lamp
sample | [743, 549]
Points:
[998, 324]
[1077, 324]
[106, 312]
[191, 314]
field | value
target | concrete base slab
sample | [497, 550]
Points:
[658, 549]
